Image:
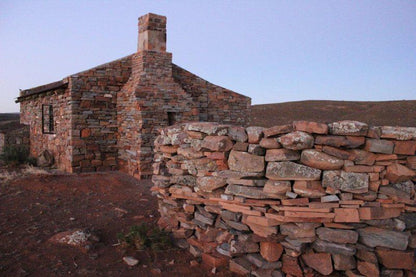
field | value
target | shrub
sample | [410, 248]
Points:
[142, 237]
[16, 154]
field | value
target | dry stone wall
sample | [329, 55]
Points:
[304, 199]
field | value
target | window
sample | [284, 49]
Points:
[171, 118]
[47, 120]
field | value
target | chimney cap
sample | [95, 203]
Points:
[152, 22]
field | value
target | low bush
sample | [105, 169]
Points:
[143, 237]
[16, 154]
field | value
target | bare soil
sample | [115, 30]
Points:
[33, 208]
[387, 113]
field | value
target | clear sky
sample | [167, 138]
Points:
[273, 51]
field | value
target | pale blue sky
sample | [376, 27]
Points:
[272, 51]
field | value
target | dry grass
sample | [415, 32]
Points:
[8, 174]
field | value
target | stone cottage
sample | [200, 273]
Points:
[106, 118]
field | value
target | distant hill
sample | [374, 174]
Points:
[394, 113]
[9, 121]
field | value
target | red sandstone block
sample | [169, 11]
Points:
[394, 259]
[169, 149]
[215, 260]
[291, 266]
[271, 251]
[215, 155]
[370, 213]
[310, 127]
[405, 147]
[295, 202]
[277, 130]
[346, 215]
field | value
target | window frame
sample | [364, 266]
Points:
[48, 119]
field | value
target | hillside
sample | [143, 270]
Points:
[400, 113]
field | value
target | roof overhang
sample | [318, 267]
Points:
[41, 89]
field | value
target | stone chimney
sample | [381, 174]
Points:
[152, 33]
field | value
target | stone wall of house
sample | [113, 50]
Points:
[58, 143]
[94, 115]
[305, 199]
[15, 137]
[215, 104]
[149, 101]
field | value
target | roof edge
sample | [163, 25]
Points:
[41, 89]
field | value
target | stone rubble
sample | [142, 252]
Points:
[302, 199]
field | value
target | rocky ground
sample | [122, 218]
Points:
[36, 205]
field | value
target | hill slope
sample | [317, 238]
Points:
[395, 113]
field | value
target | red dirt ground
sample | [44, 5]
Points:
[35, 207]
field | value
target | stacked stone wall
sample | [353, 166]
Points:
[94, 115]
[16, 137]
[214, 103]
[58, 143]
[304, 199]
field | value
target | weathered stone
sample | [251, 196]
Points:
[256, 149]
[394, 259]
[271, 251]
[409, 219]
[329, 198]
[368, 269]
[193, 166]
[210, 183]
[348, 128]
[270, 143]
[186, 180]
[291, 171]
[247, 182]
[375, 237]
[190, 153]
[394, 192]
[237, 174]
[208, 128]
[161, 181]
[337, 235]
[295, 231]
[333, 248]
[215, 260]
[217, 143]
[362, 157]
[405, 147]
[237, 133]
[241, 266]
[245, 162]
[275, 155]
[369, 213]
[243, 247]
[237, 225]
[342, 262]
[320, 160]
[399, 133]
[130, 261]
[379, 146]
[277, 130]
[254, 134]
[391, 273]
[346, 181]
[291, 266]
[366, 255]
[240, 146]
[399, 173]
[45, 159]
[202, 218]
[310, 127]
[310, 189]
[339, 153]
[321, 262]
[297, 140]
[277, 187]
[249, 192]
[340, 141]
[297, 245]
